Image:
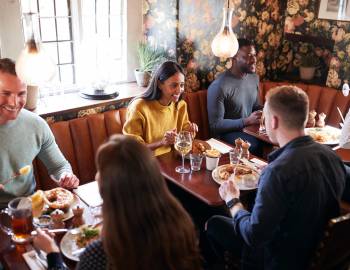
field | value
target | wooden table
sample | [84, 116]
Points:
[200, 184]
[344, 154]
[11, 254]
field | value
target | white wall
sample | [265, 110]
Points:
[11, 33]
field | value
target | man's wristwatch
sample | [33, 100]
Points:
[231, 203]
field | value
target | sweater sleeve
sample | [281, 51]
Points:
[51, 155]
[134, 125]
[216, 111]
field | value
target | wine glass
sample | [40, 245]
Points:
[183, 144]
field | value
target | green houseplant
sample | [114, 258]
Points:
[308, 65]
[149, 58]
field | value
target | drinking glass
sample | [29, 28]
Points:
[20, 212]
[262, 128]
[196, 162]
[235, 156]
[183, 144]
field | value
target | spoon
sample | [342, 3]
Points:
[22, 171]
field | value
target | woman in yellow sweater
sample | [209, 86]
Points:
[155, 117]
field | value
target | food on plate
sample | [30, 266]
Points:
[24, 170]
[37, 203]
[241, 170]
[212, 153]
[58, 198]
[199, 147]
[87, 235]
[323, 135]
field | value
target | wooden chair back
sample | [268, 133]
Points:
[333, 251]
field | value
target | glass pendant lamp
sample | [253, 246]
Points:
[34, 66]
[225, 43]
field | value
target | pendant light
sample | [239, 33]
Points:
[225, 43]
[34, 66]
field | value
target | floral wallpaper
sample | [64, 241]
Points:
[254, 19]
[301, 18]
[190, 26]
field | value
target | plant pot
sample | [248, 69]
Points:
[142, 78]
[307, 73]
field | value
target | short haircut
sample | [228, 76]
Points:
[242, 42]
[7, 66]
[290, 103]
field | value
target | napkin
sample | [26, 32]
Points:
[89, 193]
[33, 261]
[221, 147]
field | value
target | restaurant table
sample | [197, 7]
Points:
[253, 130]
[11, 254]
[200, 184]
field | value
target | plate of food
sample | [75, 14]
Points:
[198, 147]
[325, 135]
[57, 201]
[71, 243]
[246, 178]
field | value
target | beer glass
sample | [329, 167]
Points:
[19, 212]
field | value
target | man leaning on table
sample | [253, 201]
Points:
[24, 136]
[298, 192]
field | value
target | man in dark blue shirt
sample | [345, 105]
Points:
[298, 192]
[233, 98]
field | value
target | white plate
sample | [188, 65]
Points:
[331, 134]
[238, 179]
[68, 246]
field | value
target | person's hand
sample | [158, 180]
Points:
[229, 190]
[45, 242]
[193, 129]
[169, 137]
[68, 180]
[253, 118]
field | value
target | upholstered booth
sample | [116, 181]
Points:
[79, 138]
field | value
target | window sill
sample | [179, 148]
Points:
[62, 104]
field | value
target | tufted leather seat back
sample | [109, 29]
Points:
[197, 111]
[79, 140]
[322, 99]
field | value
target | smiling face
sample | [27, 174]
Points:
[172, 88]
[246, 59]
[13, 96]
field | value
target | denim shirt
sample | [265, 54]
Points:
[298, 192]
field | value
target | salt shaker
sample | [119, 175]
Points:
[245, 150]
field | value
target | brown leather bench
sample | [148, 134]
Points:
[79, 138]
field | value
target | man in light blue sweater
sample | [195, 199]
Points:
[24, 136]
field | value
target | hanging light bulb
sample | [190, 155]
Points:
[34, 66]
[225, 43]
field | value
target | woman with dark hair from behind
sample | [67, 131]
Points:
[155, 117]
[144, 226]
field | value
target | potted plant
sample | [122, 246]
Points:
[149, 58]
[308, 65]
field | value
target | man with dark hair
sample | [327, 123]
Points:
[24, 135]
[233, 100]
[298, 192]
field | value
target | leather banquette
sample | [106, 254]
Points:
[79, 138]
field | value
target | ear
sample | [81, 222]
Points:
[275, 122]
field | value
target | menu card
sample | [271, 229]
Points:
[221, 147]
[89, 193]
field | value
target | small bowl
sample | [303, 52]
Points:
[43, 221]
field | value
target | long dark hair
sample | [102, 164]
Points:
[164, 72]
[145, 227]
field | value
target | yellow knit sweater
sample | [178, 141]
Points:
[147, 121]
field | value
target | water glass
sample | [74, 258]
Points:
[235, 156]
[196, 162]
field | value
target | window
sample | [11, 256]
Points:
[85, 38]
